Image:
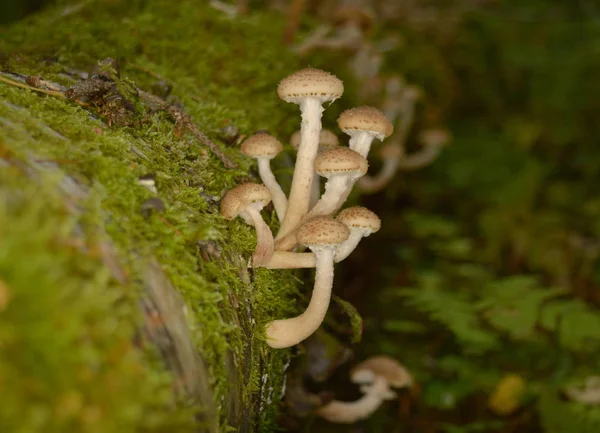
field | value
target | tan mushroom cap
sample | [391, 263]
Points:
[310, 82]
[322, 231]
[383, 366]
[391, 151]
[261, 145]
[434, 137]
[365, 119]
[327, 139]
[238, 198]
[360, 218]
[340, 160]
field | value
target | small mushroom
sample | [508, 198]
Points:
[322, 235]
[391, 154]
[375, 375]
[363, 125]
[290, 260]
[341, 166]
[433, 141]
[246, 201]
[309, 88]
[361, 222]
[264, 147]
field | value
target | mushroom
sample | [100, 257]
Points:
[327, 140]
[432, 140]
[391, 154]
[264, 147]
[309, 88]
[322, 235]
[375, 375]
[361, 222]
[246, 201]
[363, 125]
[341, 166]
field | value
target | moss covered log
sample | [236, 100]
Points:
[122, 309]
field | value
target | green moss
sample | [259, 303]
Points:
[224, 72]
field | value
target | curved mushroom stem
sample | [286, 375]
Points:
[372, 184]
[290, 260]
[288, 332]
[264, 237]
[277, 194]
[349, 412]
[349, 245]
[360, 142]
[304, 172]
[420, 159]
[335, 187]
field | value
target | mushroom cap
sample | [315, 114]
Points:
[365, 119]
[391, 151]
[383, 366]
[412, 92]
[261, 145]
[434, 137]
[358, 218]
[322, 232]
[310, 82]
[242, 196]
[340, 160]
[327, 139]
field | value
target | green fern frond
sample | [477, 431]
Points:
[452, 310]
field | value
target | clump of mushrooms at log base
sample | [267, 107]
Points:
[307, 220]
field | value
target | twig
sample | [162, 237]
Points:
[184, 119]
[56, 93]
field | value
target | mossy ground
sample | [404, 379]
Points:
[67, 327]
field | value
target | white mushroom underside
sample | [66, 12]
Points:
[289, 332]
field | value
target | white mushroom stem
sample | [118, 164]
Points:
[360, 142]
[290, 260]
[278, 196]
[350, 412]
[422, 158]
[349, 245]
[315, 192]
[371, 184]
[289, 332]
[336, 188]
[264, 237]
[304, 172]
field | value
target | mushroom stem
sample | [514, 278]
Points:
[372, 184]
[335, 187]
[315, 192]
[360, 142]
[278, 196]
[350, 412]
[290, 260]
[422, 158]
[264, 237]
[288, 332]
[348, 246]
[304, 172]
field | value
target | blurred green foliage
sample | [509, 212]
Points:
[494, 261]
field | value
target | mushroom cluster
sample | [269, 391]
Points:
[307, 217]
